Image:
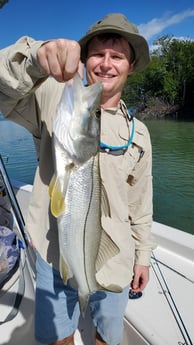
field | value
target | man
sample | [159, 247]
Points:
[111, 50]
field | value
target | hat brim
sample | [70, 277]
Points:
[137, 41]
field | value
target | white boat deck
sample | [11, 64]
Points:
[164, 315]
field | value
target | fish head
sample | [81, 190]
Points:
[77, 122]
[85, 125]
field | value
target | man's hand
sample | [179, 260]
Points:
[140, 278]
[60, 58]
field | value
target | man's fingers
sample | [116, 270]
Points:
[72, 58]
[81, 70]
[60, 58]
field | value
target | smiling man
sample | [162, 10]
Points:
[109, 61]
[111, 50]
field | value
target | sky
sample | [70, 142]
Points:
[46, 19]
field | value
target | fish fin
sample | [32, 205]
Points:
[107, 249]
[51, 185]
[105, 206]
[57, 191]
[56, 196]
[64, 270]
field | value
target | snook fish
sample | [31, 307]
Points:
[75, 190]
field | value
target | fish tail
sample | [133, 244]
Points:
[83, 303]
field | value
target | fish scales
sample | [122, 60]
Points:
[80, 226]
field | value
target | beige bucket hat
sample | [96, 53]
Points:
[118, 23]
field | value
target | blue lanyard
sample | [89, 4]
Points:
[119, 149]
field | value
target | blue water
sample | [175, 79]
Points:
[17, 150]
[173, 172]
[173, 167]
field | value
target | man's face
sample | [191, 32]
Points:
[109, 62]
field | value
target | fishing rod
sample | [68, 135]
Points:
[172, 304]
[13, 200]
[17, 213]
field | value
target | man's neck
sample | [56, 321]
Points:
[108, 102]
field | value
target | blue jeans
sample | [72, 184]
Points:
[57, 308]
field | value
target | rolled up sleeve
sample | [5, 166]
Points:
[20, 72]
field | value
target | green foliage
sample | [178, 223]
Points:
[169, 77]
